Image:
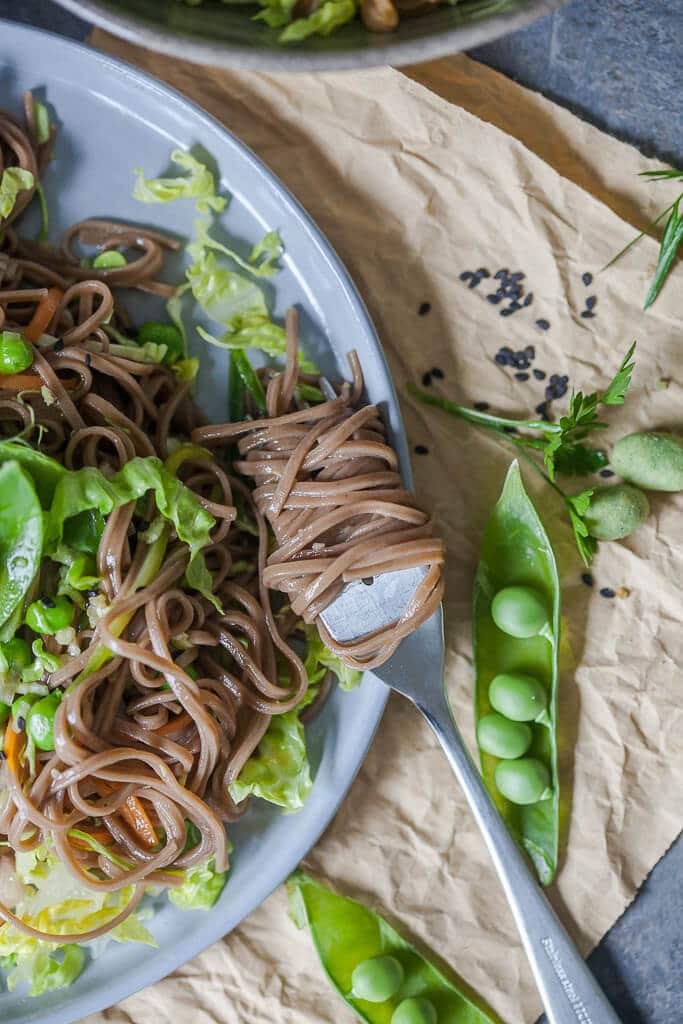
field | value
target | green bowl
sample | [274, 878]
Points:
[227, 35]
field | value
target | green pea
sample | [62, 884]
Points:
[525, 781]
[519, 697]
[650, 460]
[377, 979]
[109, 259]
[22, 705]
[519, 611]
[49, 616]
[40, 722]
[15, 353]
[415, 1010]
[503, 738]
[615, 512]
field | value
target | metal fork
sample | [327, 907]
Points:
[569, 992]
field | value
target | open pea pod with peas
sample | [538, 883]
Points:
[378, 973]
[516, 626]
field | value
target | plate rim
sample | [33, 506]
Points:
[212, 929]
[141, 32]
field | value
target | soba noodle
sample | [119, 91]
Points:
[155, 732]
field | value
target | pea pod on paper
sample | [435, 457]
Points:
[516, 625]
[380, 975]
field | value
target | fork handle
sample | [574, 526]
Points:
[569, 991]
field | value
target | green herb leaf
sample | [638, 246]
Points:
[673, 235]
[577, 506]
[579, 460]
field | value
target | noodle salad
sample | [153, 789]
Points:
[162, 577]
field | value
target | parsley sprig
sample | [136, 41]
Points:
[560, 444]
[671, 239]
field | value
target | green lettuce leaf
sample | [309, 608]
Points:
[223, 294]
[13, 181]
[320, 658]
[87, 488]
[21, 540]
[199, 185]
[269, 247]
[329, 16]
[201, 888]
[278, 771]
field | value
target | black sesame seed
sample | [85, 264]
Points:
[607, 592]
[481, 406]
[421, 449]
[542, 410]
[514, 306]
[424, 308]
[483, 272]
[543, 324]
[21, 722]
[530, 352]
[506, 350]
[522, 376]
[517, 276]
[591, 301]
[437, 372]
[493, 298]
[529, 299]
[501, 292]
[507, 311]
[426, 379]
[502, 273]
[59, 345]
[47, 602]
[587, 315]
[474, 281]
[539, 374]
[587, 278]
[587, 578]
[606, 473]
[466, 275]
[520, 361]
[510, 430]
[513, 291]
[501, 358]
[554, 378]
[368, 580]
[88, 360]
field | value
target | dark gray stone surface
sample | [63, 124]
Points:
[619, 64]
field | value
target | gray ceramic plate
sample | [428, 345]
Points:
[112, 118]
[227, 36]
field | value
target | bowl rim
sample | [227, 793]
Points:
[386, 51]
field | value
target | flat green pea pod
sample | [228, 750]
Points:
[516, 668]
[361, 953]
[16, 354]
[650, 460]
[615, 512]
[40, 721]
[49, 615]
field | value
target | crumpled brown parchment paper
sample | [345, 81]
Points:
[412, 189]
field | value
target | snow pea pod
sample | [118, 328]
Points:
[361, 952]
[517, 670]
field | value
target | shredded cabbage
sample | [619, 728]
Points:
[201, 888]
[278, 771]
[329, 16]
[13, 181]
[55, 902]
[198, 185]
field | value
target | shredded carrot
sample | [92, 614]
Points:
[15, 743]
[45, 310]
[135, 814]
[101, 835]
[18, 382]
